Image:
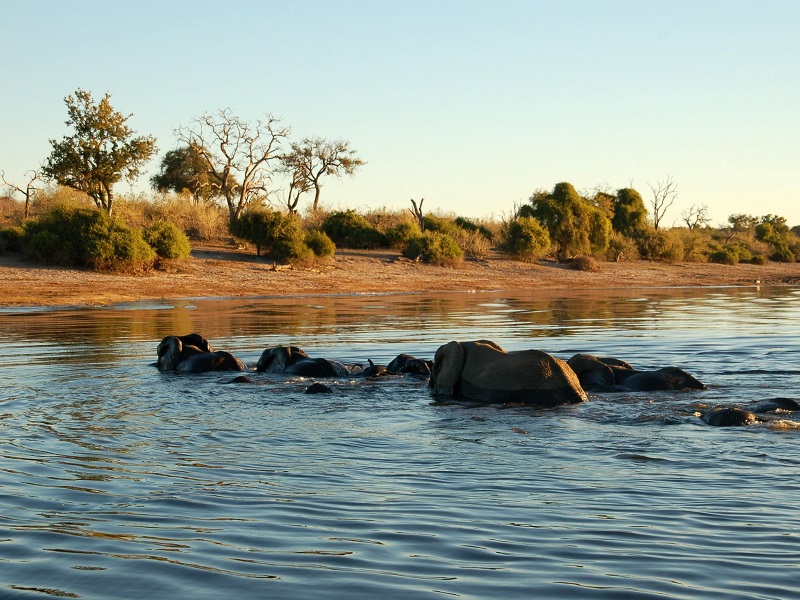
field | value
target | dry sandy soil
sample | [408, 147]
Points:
[220, 270]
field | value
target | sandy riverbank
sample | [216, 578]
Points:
[218, 270]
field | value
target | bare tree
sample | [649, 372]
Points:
[314, 158]
[696, 217]
[239, 155]
[32, 176]
[664, 194]
[417, 212]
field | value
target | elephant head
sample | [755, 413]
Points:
[277, 360]
[483, 371]
[193, 353]
[405, 363]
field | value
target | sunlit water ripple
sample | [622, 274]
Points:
[117, 481]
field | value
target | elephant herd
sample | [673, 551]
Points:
[477, 370]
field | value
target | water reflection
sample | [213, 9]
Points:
[119, 481]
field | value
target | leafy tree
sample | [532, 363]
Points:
[314, 158]
[774, 231]
[630, 214]
[740, 223]
[101, 152]
[238, 155]
[575, 225]
[184, 168]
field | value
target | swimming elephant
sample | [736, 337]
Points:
[407, 364]
[754, 412]
[482, 370]
[192, 353]
[294, 361]
[602, 374]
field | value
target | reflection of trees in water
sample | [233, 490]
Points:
[103, 332]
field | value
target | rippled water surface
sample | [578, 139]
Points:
[117, 481]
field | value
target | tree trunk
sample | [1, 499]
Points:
[317, 190]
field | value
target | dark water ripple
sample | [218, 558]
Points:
[120, 482]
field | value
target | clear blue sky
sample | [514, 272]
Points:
[471, 105]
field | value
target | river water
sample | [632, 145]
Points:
[117, 481]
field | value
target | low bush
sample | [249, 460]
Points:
[660, 245]
[434, 248]
[86, 237]
[473, 243]
[525, 238]
[399, 235]
[471, 226]
[320, 244]
[621, 247]
[277, 234]
[726, 256]
[167, 240]
[758, 259]
[348, 229]
[11, 239]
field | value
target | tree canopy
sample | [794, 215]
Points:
[239, 155]
[575, 225]
[184, 168]
[314, 158]
[630, 214]
[102, 150]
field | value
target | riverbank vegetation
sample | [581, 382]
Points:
[243, 181]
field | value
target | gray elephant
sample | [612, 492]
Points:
[482, 370]
[407, 364]
[294, 361]
[602, 374]
[754, 412]
[193, 354]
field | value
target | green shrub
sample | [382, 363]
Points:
[348, 229]
[758, 259]
[660, 245]
[439, 224]
[167, 240]
[526, 239]
[11, 239]
[86, 237]
[469, 225]
[279, 234]
[621, 247]
[726, 256]
[434, 248]
[400, 234]
[320, 244]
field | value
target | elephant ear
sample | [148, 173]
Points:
[447, 365]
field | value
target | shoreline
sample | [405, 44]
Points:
[217, 270]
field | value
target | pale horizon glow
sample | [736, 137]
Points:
[470, 105]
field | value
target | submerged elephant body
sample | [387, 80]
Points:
[601, 374]
[483, 371]
[294, 361]
[193, 354]
[749, 414]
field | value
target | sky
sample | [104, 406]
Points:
[470, 105]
